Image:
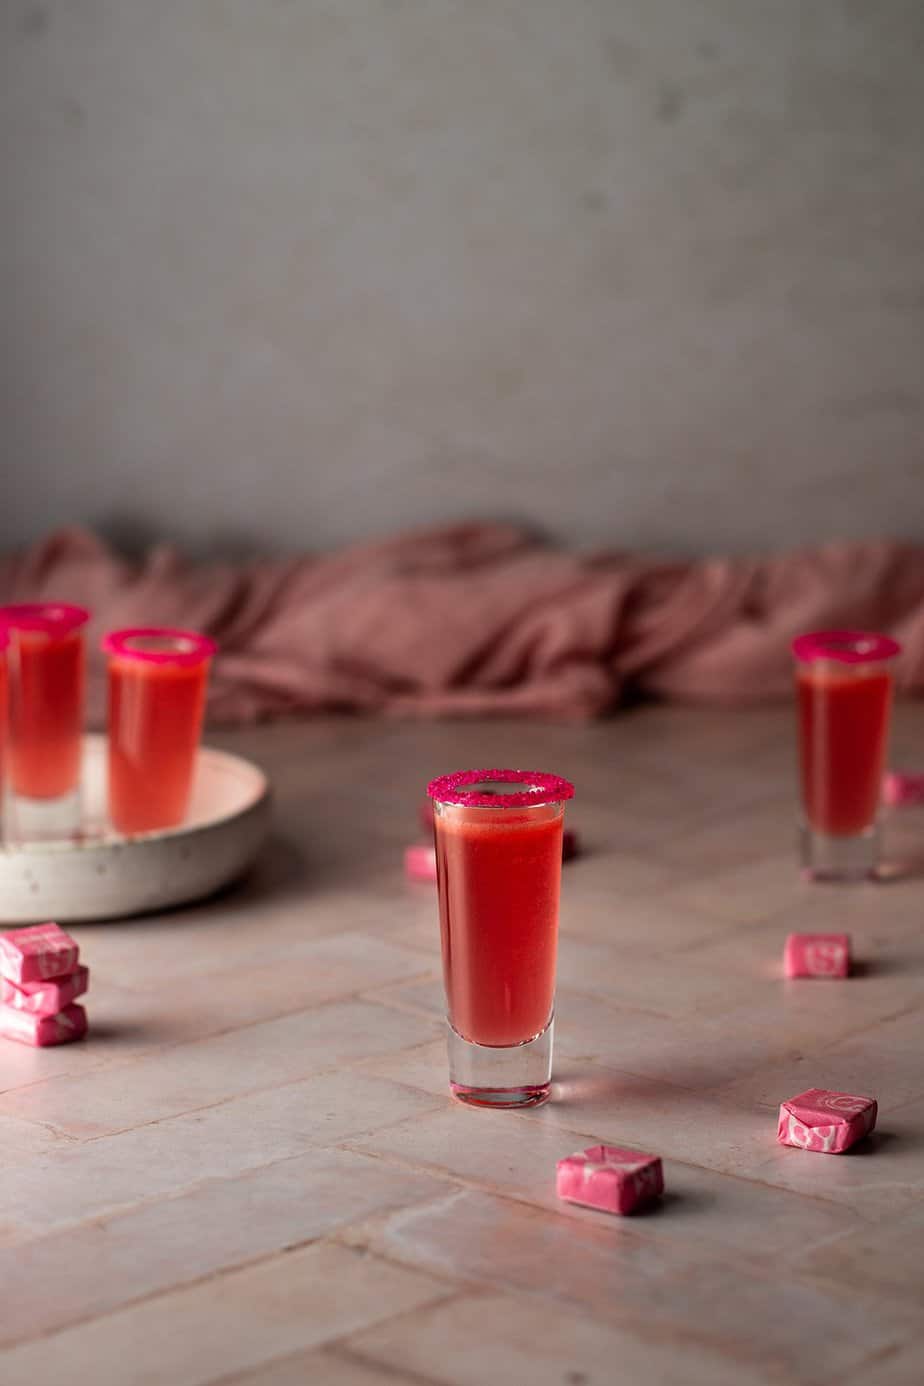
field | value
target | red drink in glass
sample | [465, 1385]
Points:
[157, 686]
[499, 971]
[48, 715]
[47, 682]
[4, 712]
[498, 841]
[844, 725]
[844, 692]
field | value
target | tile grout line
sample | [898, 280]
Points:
[342, 1349]
[333, 1237]
[359, 994]
[81, 1142]
[780, 1376]
[635, 1322]
[475, 1185]
[114, 1212]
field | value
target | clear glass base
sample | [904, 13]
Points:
[517, 1075]
[826, 858]
[41, 820]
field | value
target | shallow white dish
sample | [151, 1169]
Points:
[105, 876]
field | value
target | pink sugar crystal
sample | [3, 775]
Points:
[537, 787]
[45, 998]
[420, 863]
[829, 1122]
[817, 955]
[902, 790]
[37, 953]
[69, 1024]
[609, 1178]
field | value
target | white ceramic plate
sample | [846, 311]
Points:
[104, 876]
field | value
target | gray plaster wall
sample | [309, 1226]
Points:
[282, 273]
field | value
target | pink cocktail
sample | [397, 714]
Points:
[498, 836]
[157, 686]
[844, 693]
[47, 679]
[4, 718]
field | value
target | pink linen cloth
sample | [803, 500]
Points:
[480, 619]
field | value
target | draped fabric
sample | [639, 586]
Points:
[482, 619]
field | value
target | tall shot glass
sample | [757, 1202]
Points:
[498, 837]
[157, 686]
[844, 695]
[4, 719]
[46, 659]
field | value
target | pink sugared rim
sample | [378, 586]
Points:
[196, 647]
[50, 618]
[846, 646]
[543, 789]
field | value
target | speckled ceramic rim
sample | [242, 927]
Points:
[188, 646]
[543, 789]
[50, 618]
[846, 646]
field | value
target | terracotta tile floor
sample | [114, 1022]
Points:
[253, 1174]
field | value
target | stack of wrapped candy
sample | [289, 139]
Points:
[40, 980]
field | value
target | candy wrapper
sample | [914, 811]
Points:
[420, 863]
[610, 1178]
[826, 1122]
[901, 790]
[45, 998]
[69, 1024]
[37, 953]
[817, 955]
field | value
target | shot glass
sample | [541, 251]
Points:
[4, 719]
[157, 683]
[498, 837]
[47, 682]
[844, 694]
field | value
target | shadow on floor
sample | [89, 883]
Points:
[573, 1087]
[909, 867]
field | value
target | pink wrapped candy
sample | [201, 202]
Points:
[37, 953]
[69, 1024]
[817, 955]
[45, 998]
[828, 1122]
[901, 790]
[420, 863]
[609, 1178]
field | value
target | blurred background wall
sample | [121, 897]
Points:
[278, 273]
